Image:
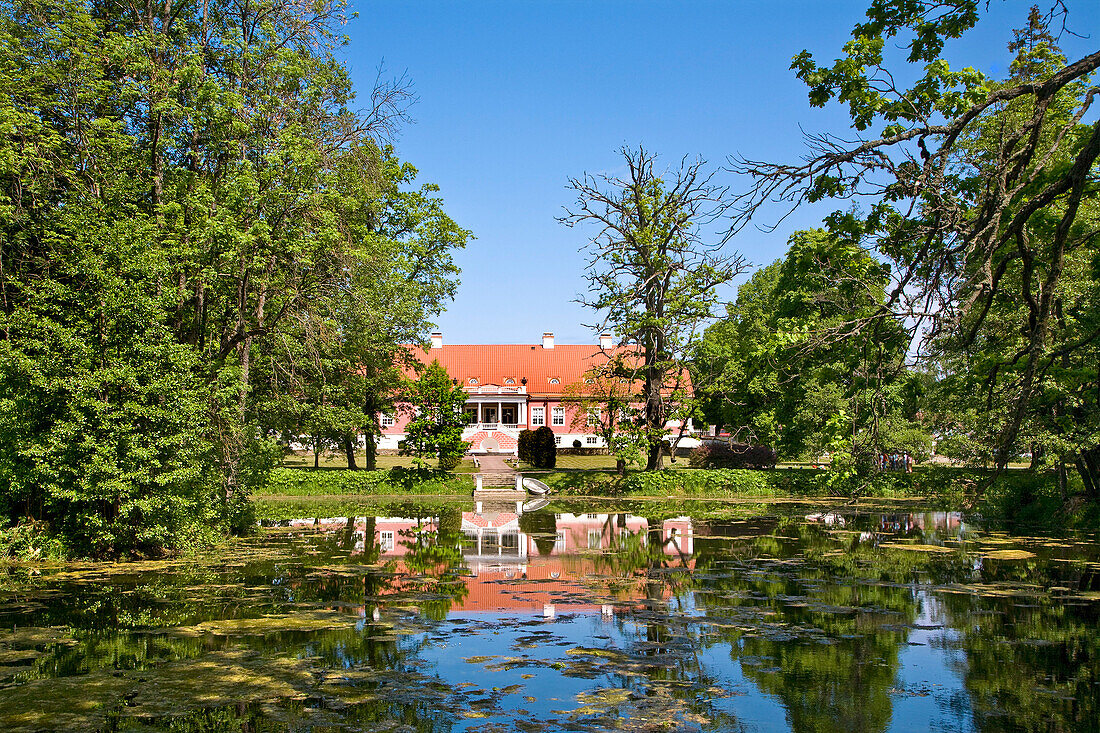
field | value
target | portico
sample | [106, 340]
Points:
[490, 407]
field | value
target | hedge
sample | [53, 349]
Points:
[946, 484]
[306, 482]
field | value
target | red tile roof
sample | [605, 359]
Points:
[497, 363]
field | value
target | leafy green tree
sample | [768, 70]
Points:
[605, 402]
[182, 188]
[436, 408]
[653, 268]
[981, 354]
[786, 368]
[964, 225]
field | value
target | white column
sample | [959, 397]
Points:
[523, 413]
[500, 413]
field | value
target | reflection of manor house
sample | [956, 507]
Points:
[514, 387]
[507, 570]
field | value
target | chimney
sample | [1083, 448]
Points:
[605, 341]
[437, 340]
[548, 340]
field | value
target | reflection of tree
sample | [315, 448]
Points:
[829, 651]
[1030, 665]
[543, 526]
[435, 556]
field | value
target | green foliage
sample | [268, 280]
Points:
[788, 366]
[544, 448]
[190, 242]
[30, 541]
[525, 447]
[981, 196]
[605, 402]
[436, 408]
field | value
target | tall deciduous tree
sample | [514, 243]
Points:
[802, 364]
[963, 227]
[182, 185]
[653, 267]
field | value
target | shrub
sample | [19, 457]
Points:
[576, 443]
[526, 447]
[716, 454]
[546, 450]
[30, 541]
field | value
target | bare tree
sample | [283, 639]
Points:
[653, 266]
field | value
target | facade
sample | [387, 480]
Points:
[511, 388]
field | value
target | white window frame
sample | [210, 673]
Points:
[557, 440]
[386, 540]
[590, 440]
[557, 416]
[387, 420]
[538, 415]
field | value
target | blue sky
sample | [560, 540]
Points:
[515, 97]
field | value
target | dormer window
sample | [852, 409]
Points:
[555, 380]
[472, 380]
[509, 381]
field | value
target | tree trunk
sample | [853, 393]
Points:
[370, 457]
[620, 466]
[349, 450]
[1037, 453]
[1088, 467]
[316, 452]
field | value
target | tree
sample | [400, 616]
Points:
[787, 368]
[437, 417]
[605, 402]
[962, 227]
[653, 269]
[182, 187]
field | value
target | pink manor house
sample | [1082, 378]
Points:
[514, 387]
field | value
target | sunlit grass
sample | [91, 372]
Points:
[384, 463]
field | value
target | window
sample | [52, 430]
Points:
[538, 415]
[594, 416]
[385, 541]
[594, 539]
[557, 440]
[555, 380]
[557, 416]
[472, 380]
[509, 380]
[590, 439]
[559, 542]
[387, 420]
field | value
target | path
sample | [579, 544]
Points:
[495, 472]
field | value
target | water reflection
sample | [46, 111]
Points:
[440, 618]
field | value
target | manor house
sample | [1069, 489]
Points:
[514, 387]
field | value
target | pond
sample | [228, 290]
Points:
[615, 615]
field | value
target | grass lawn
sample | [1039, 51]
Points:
[597, 463]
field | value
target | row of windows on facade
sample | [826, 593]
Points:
[538, 416]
